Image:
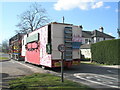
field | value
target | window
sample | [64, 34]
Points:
[98, 39]
[23, 42]
[103, 38]
[49, 33]
[48, 45]
[86, 40]
[27, 35]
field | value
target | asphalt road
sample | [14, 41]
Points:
[10, 69]
[95, 76]
[91, 75]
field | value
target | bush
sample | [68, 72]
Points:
[106, 52]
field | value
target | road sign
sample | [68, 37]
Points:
[61, 48]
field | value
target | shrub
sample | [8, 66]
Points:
[106, 52]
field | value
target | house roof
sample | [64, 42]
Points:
[95, 33]
[86, 34]
[85, 46]
[17, 36]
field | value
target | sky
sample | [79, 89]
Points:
[91, 14]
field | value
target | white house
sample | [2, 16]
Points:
[89, 37]
[85, 51]
[95, 36]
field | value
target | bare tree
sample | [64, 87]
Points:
[4, 47]
[32, 19]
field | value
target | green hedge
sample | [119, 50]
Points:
[106, 52]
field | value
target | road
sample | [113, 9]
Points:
[91, 75]
[10, 69]
[94, 76]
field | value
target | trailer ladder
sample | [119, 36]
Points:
[68, 43]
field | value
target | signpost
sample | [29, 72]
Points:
[61, 48]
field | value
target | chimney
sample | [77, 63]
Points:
[101, 29]
[81, 26]
[95, 33]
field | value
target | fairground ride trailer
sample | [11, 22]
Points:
[41, 46]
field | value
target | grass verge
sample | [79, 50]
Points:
[93, 63]
[4, 58]
[44, 82]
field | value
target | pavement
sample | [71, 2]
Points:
[110, 66]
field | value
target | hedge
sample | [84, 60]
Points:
[106, 52]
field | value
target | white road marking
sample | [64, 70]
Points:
[97, 75]
[89, 77]
[108, 77]
[99, 79]
[78, 76]
[111, 82]
[109, 70]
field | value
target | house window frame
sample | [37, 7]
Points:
[86, 40]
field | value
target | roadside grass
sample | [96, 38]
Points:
[93, 63]
[44, 82]
[4, 58]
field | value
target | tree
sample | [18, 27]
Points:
[0, 47]
[32, 19]
[4, 46]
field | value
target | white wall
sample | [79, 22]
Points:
[76, 54]
[86, 53]
[100, 39]
[23, 45]
[108, 38]
[57, 36]
[77, 31]
[95, 39]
